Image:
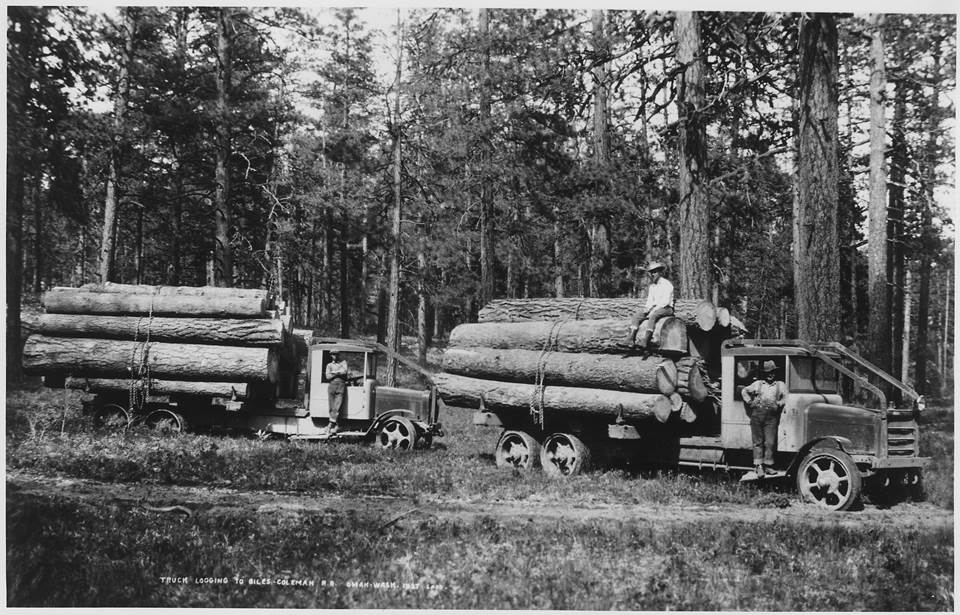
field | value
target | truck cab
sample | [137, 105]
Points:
[844, 420]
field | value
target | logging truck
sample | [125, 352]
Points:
[846, 423]
[390, 417]
[175, 358]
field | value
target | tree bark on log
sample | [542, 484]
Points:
[75, 301]
[160, 387]
[699, 312]
[516, 397]
[690, 379]
[590, 336]
[166, 290]
[118, 358]
[602, 371]
[226, 331]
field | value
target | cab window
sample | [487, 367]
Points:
[808, 375]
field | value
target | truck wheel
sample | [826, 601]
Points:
[111, 417]
[830, 479]
[564, 454]
[517, 449]
[397, 432]
[166, 422]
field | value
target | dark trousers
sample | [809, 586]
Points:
[651, 318]
[336, 394]
[763, 428]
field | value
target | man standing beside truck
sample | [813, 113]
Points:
[764, 399]
[659, 304]
[336, 373]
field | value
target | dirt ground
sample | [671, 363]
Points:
[179, 500]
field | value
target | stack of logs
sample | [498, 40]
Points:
[571, 355]
[165, 340]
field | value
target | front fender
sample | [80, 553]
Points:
[836, 442]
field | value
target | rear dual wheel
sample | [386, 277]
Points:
[564, 454]
[517, 449]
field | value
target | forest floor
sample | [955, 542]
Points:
[205, 520]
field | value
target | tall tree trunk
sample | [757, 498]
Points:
[223, 254]
[598, 231]
[895, 262]
[344, 261]
[486, 194]
[557, 254]
[14, 283]
[138, 249]
[694, 219]
[905, 327]
[946, 348]
[816, 250]
[113, 168]
[39, 262]
[879, 323]
[422, 333]
[393, 317]
[929, 241]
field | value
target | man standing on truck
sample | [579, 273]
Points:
[764, 399]
[659, 304]
[336, 373]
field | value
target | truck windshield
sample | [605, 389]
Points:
[808, 375]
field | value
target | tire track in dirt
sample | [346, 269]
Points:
[174, 499]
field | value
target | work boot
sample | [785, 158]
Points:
[332, 429]
[768, 470]
[629, 341]
[759, 471]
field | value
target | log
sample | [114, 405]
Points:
[676, 402]
[690, 381]
[670, 335]
[75, 301]
[604, 371]
[79, 356]
[226, 331]
[147, 289]
[590, 336]
[723, 317]
[687, 415]
[160, 387]
[516, 397]
[701, 313]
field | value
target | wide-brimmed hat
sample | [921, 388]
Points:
[655, 266]
[769, 367]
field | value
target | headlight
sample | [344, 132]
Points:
[920, 404]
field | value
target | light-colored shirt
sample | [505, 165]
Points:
[659, 294]
[765, 394]
[337, 368]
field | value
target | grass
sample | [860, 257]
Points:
[47, 433]
[69, 554]
[66, 553]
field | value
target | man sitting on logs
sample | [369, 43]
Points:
[337, 373]
[659, 304]
[764, 400]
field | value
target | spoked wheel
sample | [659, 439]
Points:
[165, 422]
[517, 449]
[830, 479]
[564, 454]
[111, 417]
[397, 432]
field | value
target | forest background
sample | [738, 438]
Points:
[796, 168]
